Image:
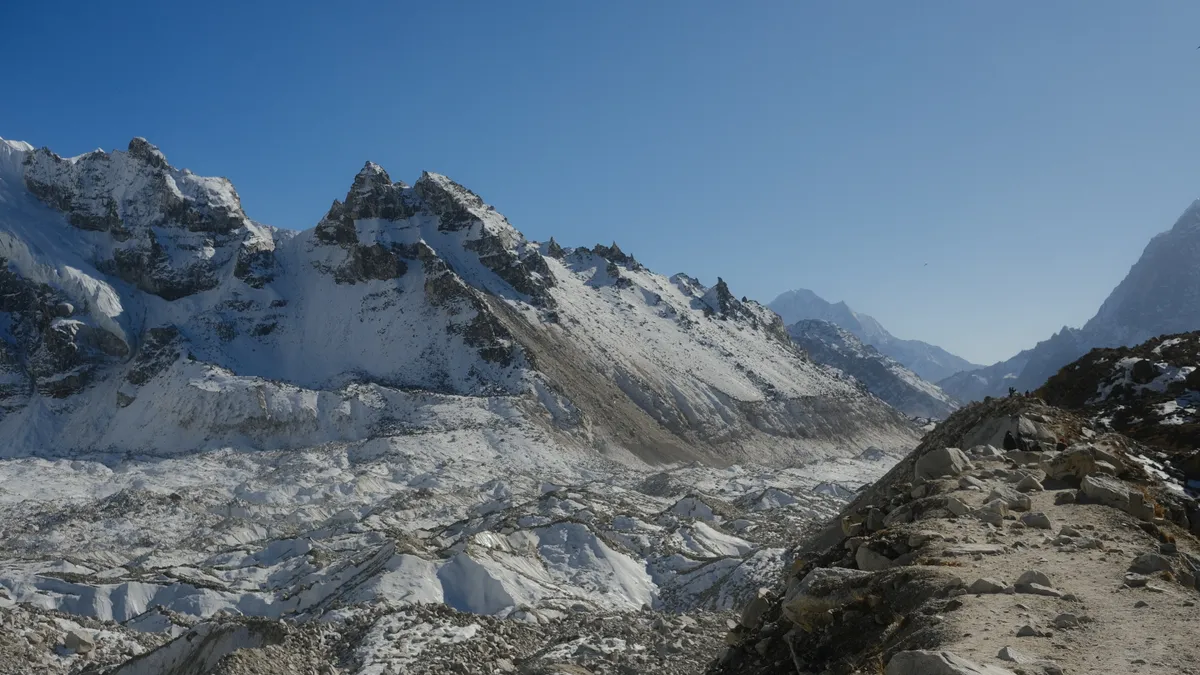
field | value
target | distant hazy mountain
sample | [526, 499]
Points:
[899, 387]
[1159, 296]
[928, 361]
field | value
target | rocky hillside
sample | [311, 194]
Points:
[965, 559]
[1150, 392]
[1157, 297]
[135, 291]
[884, 377]
[928, 361]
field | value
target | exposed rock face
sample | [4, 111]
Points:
[898, 386]
[170, 232]
[929, 362]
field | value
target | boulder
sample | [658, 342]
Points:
[921, 662]
[753, 612]
[1029, 484]
[808, 600]
[1079, 461]
[79, 642]
[957, 506]
[941, 463]
[1011, 497]
[1038, 520]
[1107, 491]
[1149, 563]
[871, 561]
[992, 512]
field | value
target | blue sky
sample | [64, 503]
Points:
[972, 174]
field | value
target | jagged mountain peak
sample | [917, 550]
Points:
[1159, 295]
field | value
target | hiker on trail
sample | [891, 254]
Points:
[1010, 443]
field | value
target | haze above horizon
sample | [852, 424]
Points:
[975, 176]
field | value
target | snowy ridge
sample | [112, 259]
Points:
[928, 361]
[884, 377]
[136, 251]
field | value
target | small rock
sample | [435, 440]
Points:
[1068, 531]
[1029, 484]
[987, 585]
[1064, 497]
[1037, 519]
[1034, 577]
[937, 663]
[919, 539]
[1136, 580]
[1014, 656]
[969, 482]
[1028, 630]
[1038, 589]
[1141, 603]
[1066, 620]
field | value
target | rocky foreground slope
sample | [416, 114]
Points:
[973, 560]
[1150, 392]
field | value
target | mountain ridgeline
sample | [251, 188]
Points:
[930, 362]
[1159, 296]
[883, 376]
[142, 311]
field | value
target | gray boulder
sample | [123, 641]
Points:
[1107, 491]
[941, 463]
[1010, 496]
[808, 600]
[922, 662]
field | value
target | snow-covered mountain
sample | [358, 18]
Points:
[139, 292]
[201, 415]
[883, 376]
[1160, 295]
[928, 361]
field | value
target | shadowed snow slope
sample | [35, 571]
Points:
[898, 386]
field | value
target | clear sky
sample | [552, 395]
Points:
[974, 174]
